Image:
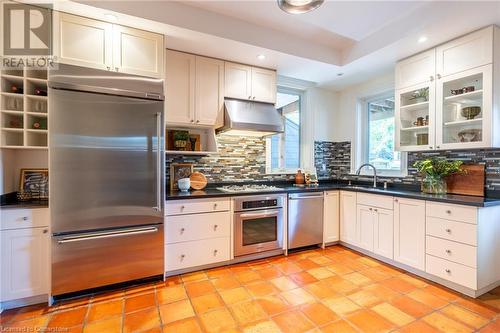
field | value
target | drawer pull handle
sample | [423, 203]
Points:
[183, 256]
[448, 231]
[215, 253]
[182, 207]
[371, 208]
[25, 218]
[215, 206]
[182, 230]
[447, 271]
[215, 227]
[375, 209]
[448, 211]
[448, 251]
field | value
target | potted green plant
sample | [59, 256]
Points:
[434, 172]
[180, 139]
[420, 95]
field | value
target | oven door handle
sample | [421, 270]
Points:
[265, 213]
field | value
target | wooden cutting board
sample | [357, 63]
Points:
[198, 180]
[471, 183]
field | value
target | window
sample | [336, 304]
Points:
[283, 150]
[379, 142]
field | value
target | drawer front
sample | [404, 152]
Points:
[182, 228]
[13, 218]
[452, 230]
[373, 200]
[452, 212]
[196, 253]
[460, 274]
[197, 206]
[452, 251]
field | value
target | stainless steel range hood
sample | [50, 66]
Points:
[250, 118]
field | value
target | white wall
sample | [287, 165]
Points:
[11, 163]
[322, 105]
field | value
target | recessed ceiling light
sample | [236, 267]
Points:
[422, 39]
[261, 57]
[111, 17]
[299, 6]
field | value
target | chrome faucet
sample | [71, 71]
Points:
[374, 172]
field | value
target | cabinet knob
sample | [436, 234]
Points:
[448, 251]
[197, 121]
[183, 256]
[249, 97]
[215, 252]
[448, 211]
[25, 218]
[117, 69]
[182, 207]
[375, 210]
[215, 227]
[437, 147]
[447, 271]
[430, 147]
[431, 78]
[109, 68]
[182, 230]
[438, 76]
[448, 231]
[215, 206]
[253, 97]
[45, 231]
[396, 200]
[371, 208]
[192, 120]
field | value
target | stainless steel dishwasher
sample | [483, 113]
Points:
[305, 219]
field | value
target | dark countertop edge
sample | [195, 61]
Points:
[447, 198]
[9, 201]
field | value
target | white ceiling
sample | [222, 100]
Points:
[360, 39]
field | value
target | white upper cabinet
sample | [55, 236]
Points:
[460, 109]
[96, 44]
[238, 81]
[470, 51]
[416, 70]
[137, 51]
[83, 42]
[263, 85]
[409, 232]
[331, 218]
[209, 91]
[194, 90]
[250, 83]
[179, 88]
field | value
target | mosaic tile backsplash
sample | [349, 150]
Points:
[243, 159]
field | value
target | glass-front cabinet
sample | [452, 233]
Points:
[464, 109]
[415, 117]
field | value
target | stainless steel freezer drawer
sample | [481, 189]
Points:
[305, 219]
[89, 260]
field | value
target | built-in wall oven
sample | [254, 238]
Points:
[258, 223]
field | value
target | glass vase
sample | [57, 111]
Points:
[434, 185]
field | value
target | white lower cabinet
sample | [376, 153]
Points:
[383, 240]
[409, 232]
[197, 233]
[366, 227]
[331, 232]
[24, 258]
[348, 220]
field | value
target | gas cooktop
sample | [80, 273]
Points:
[248, 188]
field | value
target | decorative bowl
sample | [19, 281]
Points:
[470, 112]
[470, 135]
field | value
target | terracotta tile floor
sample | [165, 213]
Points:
[332, 290]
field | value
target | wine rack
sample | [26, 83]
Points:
[23, 109]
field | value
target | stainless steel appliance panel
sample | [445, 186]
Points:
[258, 231]
[305, 219]
[94, 259]
[106, 165]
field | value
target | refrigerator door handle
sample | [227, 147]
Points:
[158, 163]
[107, 234]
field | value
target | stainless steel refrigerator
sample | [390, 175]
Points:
[106, 152]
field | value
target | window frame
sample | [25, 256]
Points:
[282, 171]
[363, 145]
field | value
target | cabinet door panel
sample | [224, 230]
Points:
[25, 263]
[83, 42]
[137, 51]
[384, 233]
[409, 232]
[366, 227]
[415, 70]
[238, 81]
[470, 51]
[180, 88]
[348, 228]
[263, 85]
[209, 91]
[332, 227]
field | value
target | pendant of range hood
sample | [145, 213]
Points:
[299, 6]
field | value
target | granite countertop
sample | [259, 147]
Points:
[410, 192]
